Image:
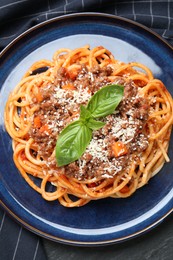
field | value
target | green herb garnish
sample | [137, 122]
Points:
[74, 138]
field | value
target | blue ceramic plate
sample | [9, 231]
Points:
[104, 221]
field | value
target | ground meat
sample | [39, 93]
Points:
[105, 71]
[72, 169]
[59, 107]
[131, 101]
[57, 112]
[94, 79]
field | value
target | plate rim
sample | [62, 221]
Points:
[68, 16]
[83, 243]
[7, 209]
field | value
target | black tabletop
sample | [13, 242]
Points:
[16, 242]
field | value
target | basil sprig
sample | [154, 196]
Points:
[74, 138]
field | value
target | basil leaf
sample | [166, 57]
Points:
[74, 139]
[72, 142]
[105, 100]
[84, 113]
[94, 124]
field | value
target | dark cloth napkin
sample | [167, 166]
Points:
[16, 16]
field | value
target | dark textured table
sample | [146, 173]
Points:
[157, 244]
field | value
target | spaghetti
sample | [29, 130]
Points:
[121, 157]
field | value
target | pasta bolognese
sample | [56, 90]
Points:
[122, 155]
